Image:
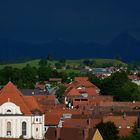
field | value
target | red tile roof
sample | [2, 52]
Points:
[124, 122]
[68, 133]
[55, 79]
[81, 85]
[52, 118]
[124, 132]
[73, 92]
[11, 92]
[75, 123]
[32, 103]
[81, 79]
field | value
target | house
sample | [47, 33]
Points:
[73, 134]
[135, 79]
[19, 115]
[124, 123]
[79, 91]
[52, 119]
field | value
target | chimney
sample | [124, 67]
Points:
[86, 133]
[57, 133]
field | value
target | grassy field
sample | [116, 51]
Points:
[34, 63]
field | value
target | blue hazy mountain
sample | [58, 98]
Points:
[124, 45]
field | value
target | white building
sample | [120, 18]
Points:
[20, 116]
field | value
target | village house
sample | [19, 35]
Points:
[81, 92]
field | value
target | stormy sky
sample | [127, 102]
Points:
[85, 20]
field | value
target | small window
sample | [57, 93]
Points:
[36, 129]
[40, 120]
[36, 119]
[77, 99]
[120, 126]
[128, 126]
[8, 110]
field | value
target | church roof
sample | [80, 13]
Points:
[11, 93]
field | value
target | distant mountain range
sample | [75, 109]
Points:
[124, 46]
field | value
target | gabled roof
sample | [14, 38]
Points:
[10, 92]
[73, 92]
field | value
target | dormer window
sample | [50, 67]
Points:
[8, 111]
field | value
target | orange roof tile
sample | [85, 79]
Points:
[11, 92]
[52, 118]
[81, 79]
[122, 121]
[32, 103]
[73, 92]
[124, 132]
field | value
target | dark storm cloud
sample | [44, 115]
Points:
[94, 20]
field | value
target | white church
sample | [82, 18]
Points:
[20, 116]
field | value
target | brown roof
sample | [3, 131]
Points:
[11, 92]
[122, 121]
[52, 118]
[55, 79]
[124, 131]
[75, 123]
[68, 133]
[45, 101]
[81, 79]
[81, 85]
[73, 92]
[32, 103]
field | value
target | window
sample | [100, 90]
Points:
[36, 129]
[8, 111]
[77, 99]
[128, 126]
[24, 127]
[120, 126]
[8, 128]
[84, 99]
[36, 119]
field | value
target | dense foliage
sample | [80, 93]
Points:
[59, 92]
[119, 86]
[108, 130]
[28, 76]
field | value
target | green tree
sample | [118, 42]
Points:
[108, 130]
[128, 138]
[50, 57]
[43, 62]
[44, 73]
[59, 93]
[29, 76]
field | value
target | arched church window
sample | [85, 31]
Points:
[24, 128]
[8, 128]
